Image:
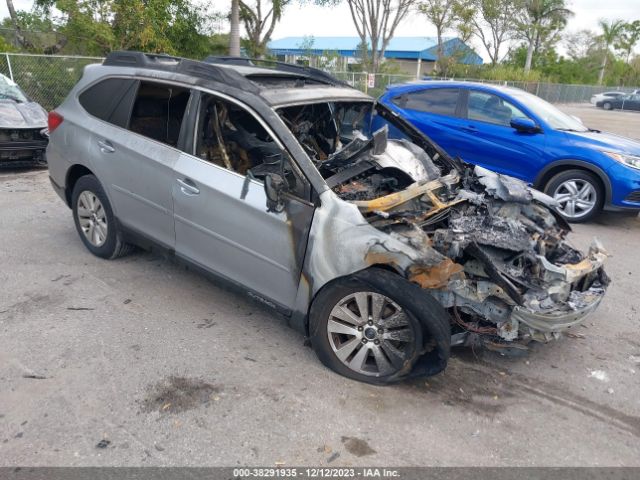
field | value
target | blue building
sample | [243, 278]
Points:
[414, 55]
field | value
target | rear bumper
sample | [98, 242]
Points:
[16, 152]
[33, 145]
[58, 189]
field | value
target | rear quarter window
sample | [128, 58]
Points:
[110, 100]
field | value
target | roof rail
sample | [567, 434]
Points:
[308, 72]
[185, 66]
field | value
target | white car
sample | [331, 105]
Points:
[604, 95]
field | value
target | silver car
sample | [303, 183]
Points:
[23, 124]
[303, 192]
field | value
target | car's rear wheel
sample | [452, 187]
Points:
[94, 219]
[371, 334]
[607, 106]
[578, 193]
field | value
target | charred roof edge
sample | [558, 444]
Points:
[184, 66]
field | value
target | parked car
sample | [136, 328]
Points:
[625, 102]
[516, 133]
[606, 96]
[383, 252]
[23, 123]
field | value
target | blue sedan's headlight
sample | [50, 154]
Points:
[632, 161]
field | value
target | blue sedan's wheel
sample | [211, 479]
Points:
[578, 193]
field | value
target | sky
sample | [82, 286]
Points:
[317, 21]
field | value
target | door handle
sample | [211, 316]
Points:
[105, 146]
[188, 188]
[470, 129]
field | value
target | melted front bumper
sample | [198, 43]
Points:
[555, 321]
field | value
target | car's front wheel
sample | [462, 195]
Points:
[607, 106]
[366, 327]
[94, 219]
[578, 193]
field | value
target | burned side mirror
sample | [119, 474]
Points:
[275, 187]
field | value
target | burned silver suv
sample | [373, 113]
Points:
[319, 203]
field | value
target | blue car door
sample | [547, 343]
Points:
[487, 138]
[433, 111]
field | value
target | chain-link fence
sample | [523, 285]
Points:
[46, 79]
[374, 84]
[556, 92]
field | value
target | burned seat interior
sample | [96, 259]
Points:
[229, 136]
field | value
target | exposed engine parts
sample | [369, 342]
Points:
[487, 247]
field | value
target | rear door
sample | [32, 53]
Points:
[134, 152]
[433, 111]
[221, 217]
[491, 142]
[633, 103]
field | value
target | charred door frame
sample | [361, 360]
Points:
[299, 227]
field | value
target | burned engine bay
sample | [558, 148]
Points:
[491, 250]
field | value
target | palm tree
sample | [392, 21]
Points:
[540, 17]
[610, 33]
[234, 36]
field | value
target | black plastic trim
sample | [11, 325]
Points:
[183, 66]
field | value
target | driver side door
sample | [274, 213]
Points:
[221, 219]
[488, 139]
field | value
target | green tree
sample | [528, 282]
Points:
[260, 18]
[611, 31]
[539, 22]
[376, 22]
[443, 15]
[629, 38]
[492, 22]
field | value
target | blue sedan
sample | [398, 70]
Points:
[516, 133]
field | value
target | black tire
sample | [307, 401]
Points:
[607, 106]
[580, 176]
[114, 246]
[426, 317]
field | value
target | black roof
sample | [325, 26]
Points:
[168, 63]
[299, 71]
[243, 73]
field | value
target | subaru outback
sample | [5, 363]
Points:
[377, 245]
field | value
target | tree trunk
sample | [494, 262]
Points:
[530, 49]
[440, 52]
[234, 36]
[603, 66]
[527, 63]
[14, 21]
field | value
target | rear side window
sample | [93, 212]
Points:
[433, 100]
[158, 111]
[110, 100]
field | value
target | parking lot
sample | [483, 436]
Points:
[139, 361]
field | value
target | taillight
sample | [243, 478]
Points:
[54, 121]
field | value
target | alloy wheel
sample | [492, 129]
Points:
[576, 198]
[92, 218]
[371, 334]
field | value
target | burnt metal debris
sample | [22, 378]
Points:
[490, 249]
